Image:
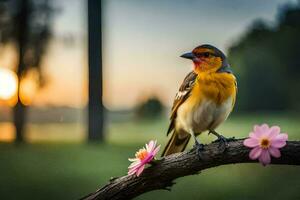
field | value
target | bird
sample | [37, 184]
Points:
[205, 99]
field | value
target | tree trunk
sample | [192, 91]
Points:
[19, 121]
[95, 106]
[20, 109]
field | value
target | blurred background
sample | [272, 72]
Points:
[59, 139]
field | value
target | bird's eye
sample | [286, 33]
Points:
[206, 55]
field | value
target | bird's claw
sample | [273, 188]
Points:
[199, 148]
[223, 141]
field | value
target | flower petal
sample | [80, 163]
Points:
[156, 150]
[257, 131]
[255, 153]
[133, 159]
[134, 164]
[260, 131]
[274, 131]
[251, 142]
[148, 159]
[282, 136]
[133, 170]
[253, 135]
[265, 157]
[264, 127]
[274, 152]
[147, 147]
[151, 145]
[130, 172]
[140, 170]
[135, 167]
[279, 141]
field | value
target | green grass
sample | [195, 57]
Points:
[71, 170]
[58, 171]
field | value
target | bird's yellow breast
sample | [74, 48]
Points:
[217, 87]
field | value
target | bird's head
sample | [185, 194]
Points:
[207, 58]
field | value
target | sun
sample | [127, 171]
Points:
[8, 84]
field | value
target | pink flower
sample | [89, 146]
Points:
[142, 157]
[265, 141]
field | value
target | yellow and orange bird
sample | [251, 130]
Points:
[204, 100]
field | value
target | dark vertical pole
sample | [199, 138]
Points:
[95, 106]
[19, 110]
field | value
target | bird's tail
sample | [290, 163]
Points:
[176, 144]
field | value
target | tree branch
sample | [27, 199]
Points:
[162, 173]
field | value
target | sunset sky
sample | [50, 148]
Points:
[142, 42]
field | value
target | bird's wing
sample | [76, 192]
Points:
[236, 91]
[183, 93]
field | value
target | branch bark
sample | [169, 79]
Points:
[162, 173]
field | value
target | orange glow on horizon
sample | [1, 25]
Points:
[7, 132]
[8, 87]
[28, 87]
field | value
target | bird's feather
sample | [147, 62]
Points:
[183, 93]
[236, 91]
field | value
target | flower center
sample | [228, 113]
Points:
[142, 154]
[264, 143]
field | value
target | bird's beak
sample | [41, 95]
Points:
[189, 55]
